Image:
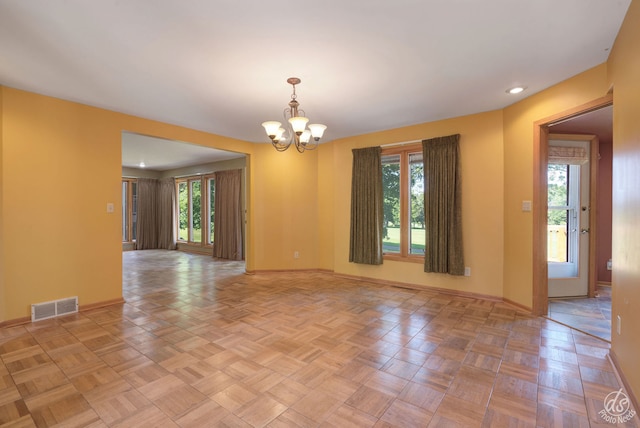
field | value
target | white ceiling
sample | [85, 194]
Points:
[598, 122]
[159, 154]
[366, 65]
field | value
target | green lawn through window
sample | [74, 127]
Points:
[183, 235]
[391, 244]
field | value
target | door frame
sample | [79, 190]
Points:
[540, 164]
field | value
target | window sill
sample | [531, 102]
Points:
[193, 243]
[399, 258]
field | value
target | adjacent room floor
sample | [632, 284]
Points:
[200, 344]
[592, 316]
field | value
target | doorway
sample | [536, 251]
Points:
[595, 119]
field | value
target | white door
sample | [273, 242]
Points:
[568, 224]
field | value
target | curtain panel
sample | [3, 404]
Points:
[442, 202]
[167, 207]
[155, 211]
[365, 244]
[227, 221]
[146, 237]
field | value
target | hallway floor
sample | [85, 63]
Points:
[201, 344]
[592, 316]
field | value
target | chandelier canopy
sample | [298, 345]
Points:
[296, 132]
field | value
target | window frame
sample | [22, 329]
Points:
[129, 182]
[405, 215]
[205, 232]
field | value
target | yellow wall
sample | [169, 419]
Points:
[61, 165]
[482, 203]
[285, 209]
[326, 190]
[518, 171]
[624, 72]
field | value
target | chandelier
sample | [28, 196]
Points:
[297, 132]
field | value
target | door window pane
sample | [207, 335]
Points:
[558, 214]
[563, 192]
[558, 182]
[557, 236]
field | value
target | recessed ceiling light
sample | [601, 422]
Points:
[141, 165]
[516, 90]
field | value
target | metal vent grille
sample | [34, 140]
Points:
[55, 308]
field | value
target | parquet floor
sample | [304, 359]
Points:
[592, 315]
[200, 344]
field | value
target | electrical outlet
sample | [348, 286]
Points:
[296, 255]
[618, 325]
[467, 271]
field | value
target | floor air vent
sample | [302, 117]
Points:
[56, 308]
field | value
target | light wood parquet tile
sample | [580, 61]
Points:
[404, 414]
[507, 410]
[201, 344]
[370, 401]
[290, 418]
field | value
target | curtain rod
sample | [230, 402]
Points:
[401, 143]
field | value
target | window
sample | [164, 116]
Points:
[212, 198]
[195, 211]
[129, 204]
[403, 202]
[183, 211]
[194, 206]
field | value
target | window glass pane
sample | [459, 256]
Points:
[125, 210]
[558, 214]
[212, 198]
[183, 212]
[196, 227]
[558, 185]
[134, 209]
[391, 203]
[557, 236]
[416, 204]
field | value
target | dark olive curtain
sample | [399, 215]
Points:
[442, 202]
[167, 207]
[227, 220]
[156, 206]
[146, 237]
[365, 245]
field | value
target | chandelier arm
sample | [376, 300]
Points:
[281, 147]
[303, 147]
